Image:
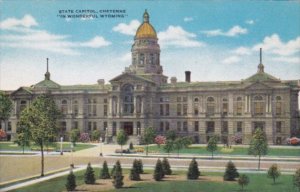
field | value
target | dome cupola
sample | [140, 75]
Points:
[146, 30]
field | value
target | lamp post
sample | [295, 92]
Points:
[100, 140]
[72, 164]
[61, 145]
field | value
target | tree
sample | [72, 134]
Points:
[95, 135]
[71, 182]
[159, 140]
[166, 167]
[171, 135]
[158, 171]
[180, 143]
[104, 173]
[169, 146]
[74, 136]
[134, 172]
[6, 107]
[212, 145]
[274, 172]
[258, 145]
[122, 139]
[89, 176]
[149, 135]
[139, 165]
[243, 181]
[40, 118]
[23, 136]
[296, 179]
[193, 172]
[118, 176]
[231, 172]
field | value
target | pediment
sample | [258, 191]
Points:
[22, 91]
[130, 78]
[258, 86]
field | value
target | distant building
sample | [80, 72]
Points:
[141, 97]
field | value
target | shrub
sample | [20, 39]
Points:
[166, 167]
[96, 135]
[139, 165]
[158, 171]
[71, 182]
[131, 146]
[134, 172]
[231, 172]
[89, 176]
[74, 136]
[160, 140]
[193, 172]
[212, 145]
[243, 181]
[118, 176]
[274, 172]
[104, 174]
[84, 137]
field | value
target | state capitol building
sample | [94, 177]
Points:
[142, 97]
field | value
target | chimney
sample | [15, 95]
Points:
[187, 76]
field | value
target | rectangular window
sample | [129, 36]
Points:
[161, 127]
[104, 126]
[239, 108]
[105, 110]
[178, 109]
[278, 108]
[94, 125]
[178, 126]
[161, 109]
[210, 127]
[178, 99]
[239, 126]
[196, 109]
[185, 108]
[9, 126]
[224, 127]
[105, 100]
[75, 125]
[258, 108]
[89, 126]
[278, 127]
[184, 99]
[161, 99]
[167, 126]
[167, 109]
[258, 125]
[196, 126]
[114, 128]
[185, 126]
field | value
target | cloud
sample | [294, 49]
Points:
[28, 38]
[231, 60]
[274, 44]
[96, 42]
[176, 36]
[188, 19]
[234, 31]
[287, 59]
[242, 51]
[27, 21]
[250, 22]
[127, 29]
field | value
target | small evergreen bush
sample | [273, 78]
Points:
[118, 176]
[104, 174]
[193, 172]
[71, 182]
[231, 172]
[158, 172]
[134, 172]
[166, 167]
[89, 176]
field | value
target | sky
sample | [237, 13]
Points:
[215, 40]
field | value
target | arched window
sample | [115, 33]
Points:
[210, 106]
[259, 105]
[278, 105]
[142, 58]
[196, 106]
[64, 106]
[114, 105]
[225, 106]
[75, 107]
[128, 106]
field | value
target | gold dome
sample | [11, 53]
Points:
[146, 30]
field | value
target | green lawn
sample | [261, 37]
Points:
[258, 183]
[10, 146]
[236, 150]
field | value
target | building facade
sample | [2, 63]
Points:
[142, 97]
